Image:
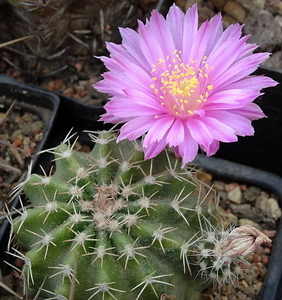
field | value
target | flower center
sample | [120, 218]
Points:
[182, 88]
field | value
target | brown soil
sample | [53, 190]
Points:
[20, 134]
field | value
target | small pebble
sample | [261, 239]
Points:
[69, 92]
[264, 260]
[235, 195]
[266, 251]
[270, 208]
[248, 222]
[230, 186]
[79, 66]
[245, 284]
[270, 233]
[235, 10]
[256, 258]
[17, 142]
[58, 83]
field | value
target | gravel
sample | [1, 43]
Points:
[248, 211]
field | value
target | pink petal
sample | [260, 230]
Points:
[189, 32]
[250, 111]
[155, 148]
[208, 33]
[124, 107]
[214, 146]
[136, 127]
[225, 56]
[188, 149]
[199, 131]
[131, 42]
[220, 130]
[240, 69]
[175, 19]
[241, 125]
[176, 133]
[257, 82]
[158, 130]
[229, 99]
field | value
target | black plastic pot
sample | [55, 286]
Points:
[264, 149]
[35, 101]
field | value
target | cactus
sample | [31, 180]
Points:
[109, 225]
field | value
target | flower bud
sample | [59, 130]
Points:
[243, 240]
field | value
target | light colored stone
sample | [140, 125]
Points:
[279, 8]
[242, 211]
[265, 31]
[235, 10]
[253, 6]
[278, 19]
[190, 3]
[219, 4]
[218, 185]
[235, 195]
[227, 21]
[227, 218]
[243, 222]
[270, 208]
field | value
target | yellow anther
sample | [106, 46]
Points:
[181, 88]
[153, 70]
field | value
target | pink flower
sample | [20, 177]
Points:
[182, 86]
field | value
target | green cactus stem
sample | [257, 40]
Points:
[109, 225]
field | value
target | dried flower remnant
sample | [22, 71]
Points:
[243, 240]
[221, 252]
[182, 86]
